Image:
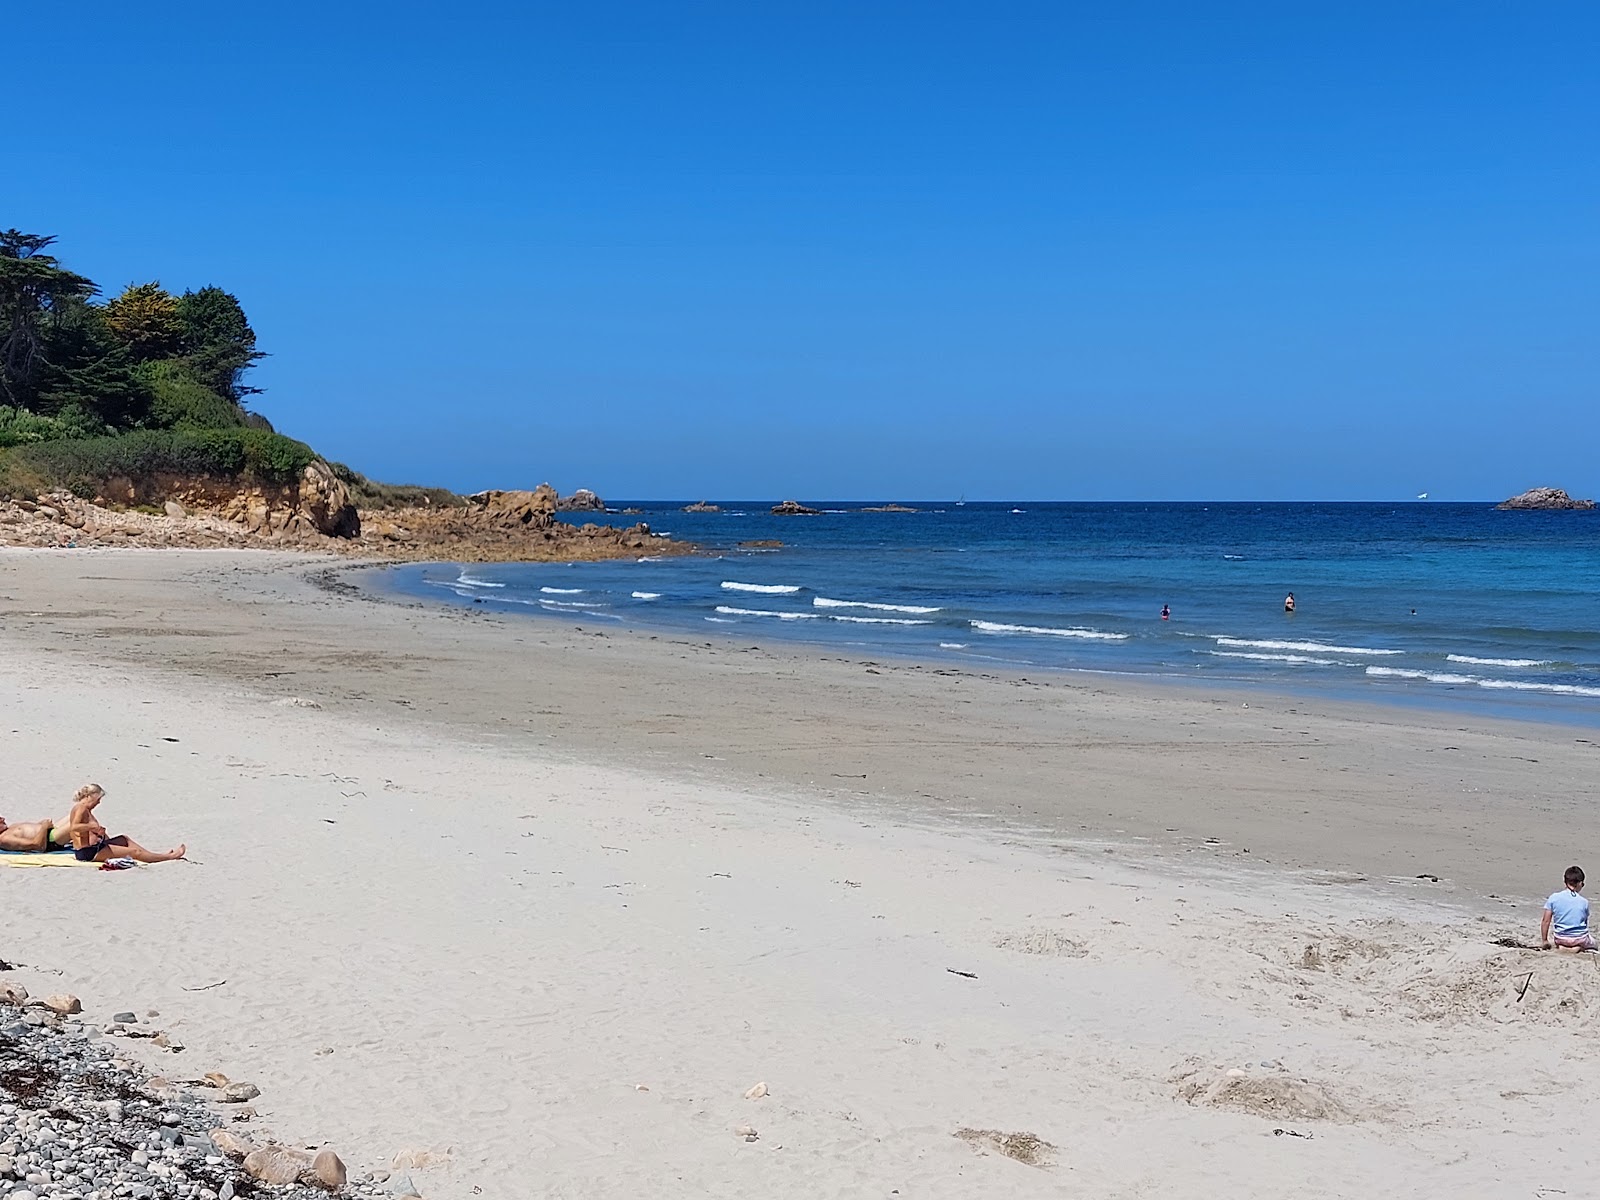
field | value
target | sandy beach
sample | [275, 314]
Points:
[546, 902]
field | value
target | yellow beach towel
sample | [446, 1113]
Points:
[55, 858]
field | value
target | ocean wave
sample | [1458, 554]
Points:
[952, 645]
[766, 589]
[550, 591]
[1525, 685]
[824, 602]
[878, 620]
[1301, 659]
[1307, 647]
[1514, 685]
[1430, 676]
[1234, 557]
[568, 605]
[647, 595]
[764, 612]
[1089, 634]
[472, 581]
[1500, 662]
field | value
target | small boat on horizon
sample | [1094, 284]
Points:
[1422, 495]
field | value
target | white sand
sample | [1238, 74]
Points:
[498, 940]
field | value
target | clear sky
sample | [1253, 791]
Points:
[1055, 250]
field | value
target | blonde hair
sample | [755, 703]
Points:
[87, 790]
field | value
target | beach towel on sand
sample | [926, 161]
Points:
[41, 858]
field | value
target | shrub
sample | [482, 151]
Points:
[19, 427]
[226, 453]
[180, 401]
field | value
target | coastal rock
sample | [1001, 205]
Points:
[793, 508]
[582, 500]
[231, 1144]
[324, 502]
[175, 510]
[329, 1169]
[276, 1164]
[528, 510]
[13, 993]
[1547, 498]
[65, 1004]
[761, 544]
[238, 1093]
[702, 506]
[890, 508]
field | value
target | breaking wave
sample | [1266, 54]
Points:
[1049, 631]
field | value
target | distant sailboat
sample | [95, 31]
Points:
[1422, 495]
[962, 502]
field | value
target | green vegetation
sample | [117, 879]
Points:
[369, 494]
[144, 383]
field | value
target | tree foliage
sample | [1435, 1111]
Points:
[145, 359]
[145, 319]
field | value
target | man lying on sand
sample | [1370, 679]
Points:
[1568, 911]
[28, 835]
[80, 833]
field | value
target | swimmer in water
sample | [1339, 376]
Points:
[1288, 603]
[1166, 613]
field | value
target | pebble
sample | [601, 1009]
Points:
[85, 1128]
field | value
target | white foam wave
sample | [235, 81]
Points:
[1499, 662]
[472, 581]
[878, 620]
[568, 605]
[824, 602]
[1430, 676]
[550, 591]
[1302, 659]
[952, 645]
[647, 595]
[1516, 685]
[1095, 635]
[1307, 647]
[1524, 685]
[764, 612]
[766, 589]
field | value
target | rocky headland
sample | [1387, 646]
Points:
[1546, 498]
[320, 513]
[704, 506]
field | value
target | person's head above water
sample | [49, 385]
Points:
[1574, 878]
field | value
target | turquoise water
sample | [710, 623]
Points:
[1440, 604]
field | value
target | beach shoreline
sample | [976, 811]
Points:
[507, 873]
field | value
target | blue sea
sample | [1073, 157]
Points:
[1447, 605]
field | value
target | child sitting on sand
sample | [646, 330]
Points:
[1568, 911]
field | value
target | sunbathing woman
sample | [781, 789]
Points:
[89, 840]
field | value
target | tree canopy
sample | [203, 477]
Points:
[144, 359]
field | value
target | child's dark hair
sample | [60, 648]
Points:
[1574, 876]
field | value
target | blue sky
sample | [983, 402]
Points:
[1265, 251]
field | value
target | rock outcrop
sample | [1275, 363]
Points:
[507, 526]
[582, 500]
[317, 514]
[895, 508]
[793, 508]
[702, 506]
[1547, 498]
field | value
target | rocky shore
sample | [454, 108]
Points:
[80, 1120]
[320, 516]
